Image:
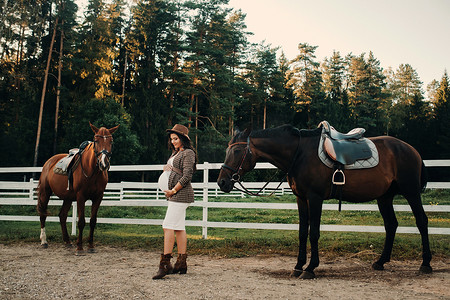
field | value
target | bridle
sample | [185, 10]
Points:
[97, 153]
[235, 177]
[104, 151]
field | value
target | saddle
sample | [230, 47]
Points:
[345, 148]
[345, 151]
[68, 164]
[351, 150]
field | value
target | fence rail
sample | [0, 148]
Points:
[147, 194]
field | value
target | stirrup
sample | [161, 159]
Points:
[338, 181]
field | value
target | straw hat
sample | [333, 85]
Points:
[180, 129]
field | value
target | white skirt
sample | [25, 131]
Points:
[175, 216]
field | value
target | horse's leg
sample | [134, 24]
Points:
[93, 223]
[422, 224]
[63, 221]
[315, 214]
[390, 225]
[81, 203]
[303, 214]
[43, 198]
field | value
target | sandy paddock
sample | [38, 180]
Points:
[29, 272]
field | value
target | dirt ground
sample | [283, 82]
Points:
[29, 272]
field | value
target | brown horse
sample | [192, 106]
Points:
[89, 181]
[400, 171]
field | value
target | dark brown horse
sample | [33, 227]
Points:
[400, 171]
[89, 181]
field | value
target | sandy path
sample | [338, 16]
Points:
[29, 272]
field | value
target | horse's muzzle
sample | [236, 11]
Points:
[103, 163]
[225, 185]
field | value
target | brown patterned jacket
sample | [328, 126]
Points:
[183, 169]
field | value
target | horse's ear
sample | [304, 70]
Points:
[246, 132]
[112, 130]
[94, 129]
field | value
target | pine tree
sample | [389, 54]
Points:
[305, 80]
[365, 91]
[406, 93]
[237, 44]
[25, 33]
[97, 52]
[215, 41]
[442, 117]
[267, 82]
[333, 75]
[151, 41]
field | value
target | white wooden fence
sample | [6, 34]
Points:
[147, 194]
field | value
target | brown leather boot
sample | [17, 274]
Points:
[180, 265]
[165, 267]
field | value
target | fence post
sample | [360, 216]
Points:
[74, 218]
[205, 200]
[31, 195]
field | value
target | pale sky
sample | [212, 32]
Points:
[415, 32]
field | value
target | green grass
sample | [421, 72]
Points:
[243, 242]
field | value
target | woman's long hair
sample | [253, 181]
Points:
[186, 145]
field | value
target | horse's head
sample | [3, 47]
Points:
[103, 145]
[238, 161]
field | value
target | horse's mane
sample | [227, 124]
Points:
[276, 132]
[311, 132]
[239, 135]
[273, 132]
[283, 129]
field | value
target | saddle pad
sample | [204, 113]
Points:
[62, 165]
[359, 164]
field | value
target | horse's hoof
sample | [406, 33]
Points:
[377, 266]
[92, 250]
[296, 273]
[44, 246]
[68, 245]
[425, 269]
[307, 275]
[80, 253]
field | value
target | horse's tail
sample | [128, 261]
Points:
[423, 177]
[42, 202]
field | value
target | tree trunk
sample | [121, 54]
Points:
[172, 90]
[20, 49]
[44, 87]
[58, 89]
[175, 68]
[265, 114]
[124, 78]
[196, 122]
[191, 105]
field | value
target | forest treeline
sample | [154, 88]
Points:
[157, 63]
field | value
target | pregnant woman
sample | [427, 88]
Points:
[175, 181]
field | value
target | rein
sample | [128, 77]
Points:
[235, 177]
[81, 163]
